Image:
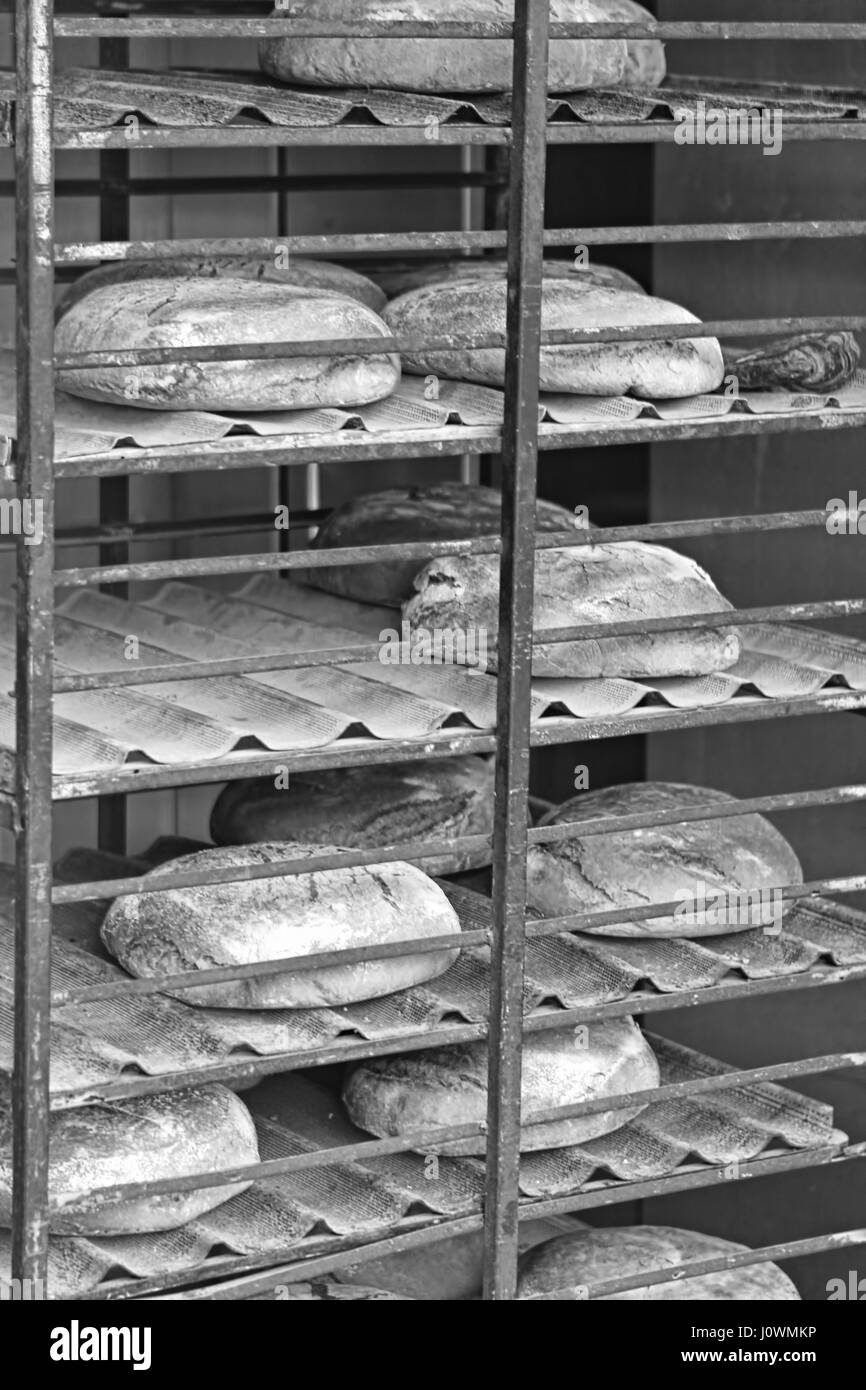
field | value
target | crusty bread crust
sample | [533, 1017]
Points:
[438, 65]
[187, 313]
[367, 807]
[244, 922]
[594, 1256]
[592, 584]
[653, 369]
[600, 872]
[562, 1066]
[147, 1138]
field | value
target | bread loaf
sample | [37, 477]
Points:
[472, 308]
[158, 933]
[144, 1139]
[366, 807]
[561, 1066]
[583, 585]
[807, 362]
[184, 314]
[695, 861]
[438, 65]
[576, 1262]
[439, 511]
[645, 65]
[402, 276]
[300, 272]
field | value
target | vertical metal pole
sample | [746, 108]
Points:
[517, 574]
[114, 225]
[34, 168]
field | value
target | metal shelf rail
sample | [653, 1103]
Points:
[518, 441]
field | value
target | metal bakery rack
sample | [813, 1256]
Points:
[829, 936]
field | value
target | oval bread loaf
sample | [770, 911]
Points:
[366, 807]
[645, 65]
[656, 369]
[440, 511]
[147, 1138]
[576, 1262]
[695, 861]
[184, 314]
[432, 64]
[402, 276]
[302, 273]
[265, 919]
[561, 1066]
[577, 586]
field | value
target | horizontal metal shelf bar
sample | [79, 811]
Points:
[349, 136]
[430, 1139]
[191, 27]
[388, 245]
[356, 446]
[759, 523]
[552, 732]
[413, 343]
[744, 1259]
[250, 666]
[147, 532]
[205, 185]
[345, 1049]
[419, 849]
[535, 930]
[261, 1272]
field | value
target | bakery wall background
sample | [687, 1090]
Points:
[713, 477]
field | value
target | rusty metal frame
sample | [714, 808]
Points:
[519, 441]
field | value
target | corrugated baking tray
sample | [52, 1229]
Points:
[106, 1041]
[88, 428]
[171, 723]
[92, 99]
[295, 1114]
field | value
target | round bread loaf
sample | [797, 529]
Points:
[187, 313]
[440, 511]
[646, 65]
[467, 309]
[576, 1262]
[366, 807]
[145, 1139]
[300, 272]
[561, 1066]
[696, 861]
[240, 923]
[400, 277]
[583, 585]
[438, 65]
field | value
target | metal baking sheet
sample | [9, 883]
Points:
[103, 1041]
[86, 428]
[170, 723]
[90, 99]
[295, 1114]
